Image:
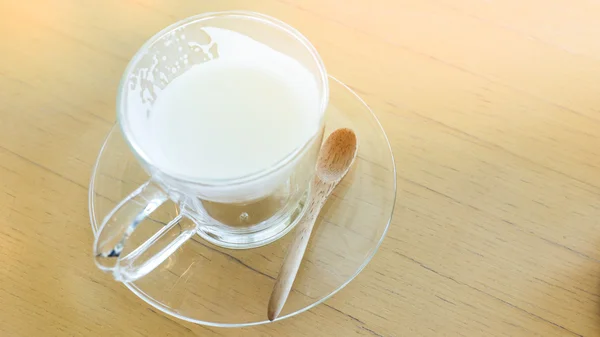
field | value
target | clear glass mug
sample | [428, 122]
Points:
[239, 213]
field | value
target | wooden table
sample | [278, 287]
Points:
[493, 112]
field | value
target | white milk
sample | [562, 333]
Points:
[235, 115]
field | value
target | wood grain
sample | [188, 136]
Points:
[492, 111]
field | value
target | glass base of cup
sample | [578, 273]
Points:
[256, 235]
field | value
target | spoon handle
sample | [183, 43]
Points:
[293, 258]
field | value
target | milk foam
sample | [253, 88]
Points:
[235, 115]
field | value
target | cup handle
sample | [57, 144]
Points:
[120, 223]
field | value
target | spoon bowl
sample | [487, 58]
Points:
[337, 154]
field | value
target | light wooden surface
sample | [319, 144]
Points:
[493, 111]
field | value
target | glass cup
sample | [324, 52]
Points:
[238, 213]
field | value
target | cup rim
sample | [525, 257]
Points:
[142, 156]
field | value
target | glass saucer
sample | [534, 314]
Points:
[211, 285]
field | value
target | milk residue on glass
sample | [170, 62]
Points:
[236, 114]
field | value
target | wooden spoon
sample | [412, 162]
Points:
[336, 156]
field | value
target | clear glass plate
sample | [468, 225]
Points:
[211, 285]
